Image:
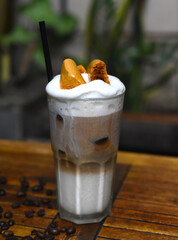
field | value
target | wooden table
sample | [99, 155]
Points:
[145, 206]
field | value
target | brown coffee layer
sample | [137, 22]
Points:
[86, 168]
[94, 139]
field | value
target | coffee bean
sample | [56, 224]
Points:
[63, 229]
[10, 222]
[3, 223]
[36, 203]
[42, 181]
[40, 234]
[1, 209]
[2, 192]
[45, 200]
[21, 194]
[71, 230]
[24, 186]
[15, 205]
[41, 212]
[49, 237]
[49, 192]
[3, 180]
[27, 238]
[5, 227]
[8, 214]
[22, 179]
[29, 214]
[33, 232]
[8, 233]
[54, 231]
[54, 224]
[32, 211]
[28, 202]
[37, 188]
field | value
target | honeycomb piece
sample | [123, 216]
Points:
[81, 69]
[70, 75]
[97, 70]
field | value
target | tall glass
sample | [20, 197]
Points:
[85, 138]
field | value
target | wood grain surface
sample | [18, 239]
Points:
[146, 195]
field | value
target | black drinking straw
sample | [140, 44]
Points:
[44, 40]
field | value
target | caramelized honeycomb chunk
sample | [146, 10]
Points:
[70, 75]
[81, 69]
[97, 70]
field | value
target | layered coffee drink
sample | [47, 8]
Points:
[84, 125]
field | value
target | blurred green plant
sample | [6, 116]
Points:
[127, 56]
[61, 25]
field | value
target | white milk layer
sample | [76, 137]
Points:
[74, 102]
[84, 194]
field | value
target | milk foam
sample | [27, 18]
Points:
[92, 99]
[93, 89]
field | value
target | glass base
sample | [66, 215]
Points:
[83, 219]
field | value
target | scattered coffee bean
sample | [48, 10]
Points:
[63, 229]
[24, 186]
[5, 227]
[28, 202]
[45, 200]
[54, 224]
[10, 222]
[22, 179]
[2, 192]
[8, 214]
[8, 233]
[3, 223]
[21, 194]
[42, 181]
[49, 192]
[33, 232]
[71, 230]
[27, 238]
[54, 231]
[24, 189]
[41, 212]
[15, 205]
[29, 214]
[37, 188]
[40, 234]
[1, 209]
[3, 180]
[36, 203]
[49, 206]
[49, 237]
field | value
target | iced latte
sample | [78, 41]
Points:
[84, 110]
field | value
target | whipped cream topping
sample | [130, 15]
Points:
[92, 99]
[90, 90]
